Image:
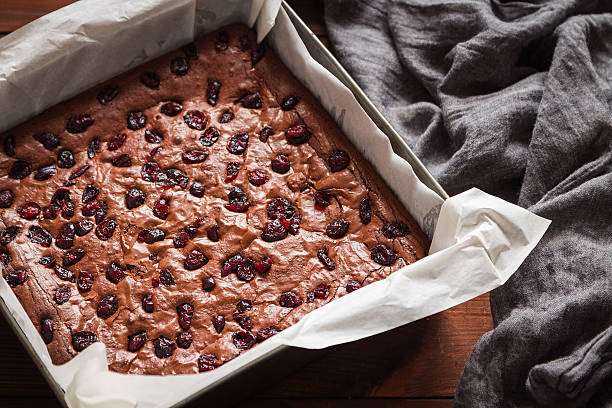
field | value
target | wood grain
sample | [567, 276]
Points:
[417, 365]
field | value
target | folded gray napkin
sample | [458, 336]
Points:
[513, 97]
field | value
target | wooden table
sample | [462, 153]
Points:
[417, 365]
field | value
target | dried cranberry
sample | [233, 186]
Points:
[72, 257]
[147, 304]
[274, 230]
[280, 207]
[93, 148]
[395, 230]
[134, 198]
[338, 160]
[257, 54]
[208, 284]
[151, 236]
[337, 229]
[195, 119]
[243, 321]
[9, 145]
[231, 265]
[164, 347]
[85, 281]
[5, 258]
[64, 274]
[190, 50]
[322, 291]
[62, 294]
[243, 340]
[322, 200]
[238, 143]
[155, 150]
[46, 330]
[265, 133]
[352, 286]
[95, 208]
[180, 240]
[209, 137]
[47, 139]
[173, 177]
[197, 189]
[83, 339]
[221, 41]
[184, 340]
[6, 198]
[78, 172]
[264, 265]
[179, 66]
[153, 136]
[166, 278]
[41, 236]
[245, 43]
[171, 108]
[246, 270]
[227, 116]
[45, 172]
[365, 210]
[29, 210]
[150, 79]
[238, 201]
[383, 255]
[100, 212]
[195, 260]
[207, 362]
[244, 305]
[106, 229]
[108, 93]
[218, 323]
[8, 234]
[289, 299]
[151, 171]
[20, 170]
[212, 92]
[281, 164]
[108, 306]
[213, 233]
[194, 156]
[65, 237]
[161, 209]
[114, 272]
[233, 168]
[79, 124]
[266, 333]
[49, 212]
[117, 142]
[252, 101]
[155, 282]
[16, 278]
[297, 134]
[90, 192]
[61, 199]
[294, 224]
[289, 102]
[136, 341]
[185, 314]
[258, 177]
[123, 160]
[323, 256]
[136, 120]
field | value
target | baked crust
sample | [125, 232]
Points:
[295, 264]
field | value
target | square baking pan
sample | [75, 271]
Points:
[282, 359]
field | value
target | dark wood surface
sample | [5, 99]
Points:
[417, 365]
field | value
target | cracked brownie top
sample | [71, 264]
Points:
[190, 208]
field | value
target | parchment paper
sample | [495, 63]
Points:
[478, 240]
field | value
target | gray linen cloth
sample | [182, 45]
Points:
[513, 97]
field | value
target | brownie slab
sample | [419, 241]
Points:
[190, 208]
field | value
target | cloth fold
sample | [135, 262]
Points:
[515, 98]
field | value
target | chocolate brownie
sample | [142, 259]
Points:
[190, 208]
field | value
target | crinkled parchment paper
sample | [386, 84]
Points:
[478, 241]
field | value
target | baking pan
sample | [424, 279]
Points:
[283, 359]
